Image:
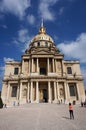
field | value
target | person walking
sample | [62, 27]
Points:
[71, 111]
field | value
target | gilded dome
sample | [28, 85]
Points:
[42, 39]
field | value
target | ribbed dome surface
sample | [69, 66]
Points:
[42, 36]
[42, 39]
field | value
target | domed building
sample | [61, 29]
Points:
[42, 75]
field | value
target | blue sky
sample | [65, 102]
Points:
[65, 22]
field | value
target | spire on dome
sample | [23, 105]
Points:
[42, 24]
[42, 29]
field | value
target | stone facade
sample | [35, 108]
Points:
[42, 75]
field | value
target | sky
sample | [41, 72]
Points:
[64, 20]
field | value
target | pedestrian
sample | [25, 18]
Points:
[61, 100]
[71, 111]
[14, 103]
[18, 103]
[5, 105]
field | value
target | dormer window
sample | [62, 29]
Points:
[38, 43]
[69, 70]
[16, 70]
[46, 44]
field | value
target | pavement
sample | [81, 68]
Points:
[42, 116]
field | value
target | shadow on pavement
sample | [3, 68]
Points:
[65, 117]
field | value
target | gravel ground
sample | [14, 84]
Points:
[42, 117]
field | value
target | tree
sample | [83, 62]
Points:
[1, 103]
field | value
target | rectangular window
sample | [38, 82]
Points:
[69, 70]
[16, 71]
[72, 90]
[14, 91]
[42, 71]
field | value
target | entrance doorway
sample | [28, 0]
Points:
[45, 95]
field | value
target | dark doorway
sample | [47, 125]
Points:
[45, 95]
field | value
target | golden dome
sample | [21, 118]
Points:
[42, 38]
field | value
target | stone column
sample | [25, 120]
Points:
[58, 90]
[55, 94]
[31, 96]
[53, 64]
[28, 92]
[29, 66]
[32, 65]
[78, 92]
[49, 90]
[66, 95]
[8, 91]
[68, 92]
[37, 66]
[20, 91]
[37, 92]
[47, 64]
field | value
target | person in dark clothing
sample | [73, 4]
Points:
[71, 111]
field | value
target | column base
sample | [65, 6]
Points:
[66, 101]
[49, 101]
[37, 101]
[55, 101]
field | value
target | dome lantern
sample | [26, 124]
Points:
[42, 29]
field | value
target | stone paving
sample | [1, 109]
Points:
[42, 117]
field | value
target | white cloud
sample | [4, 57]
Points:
[8, 59]
[75, 49]
[23, 35]
[45, 9]
[23, 39]
[31, 19]
[16, 7]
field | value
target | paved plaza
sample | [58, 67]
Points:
[42, 117]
